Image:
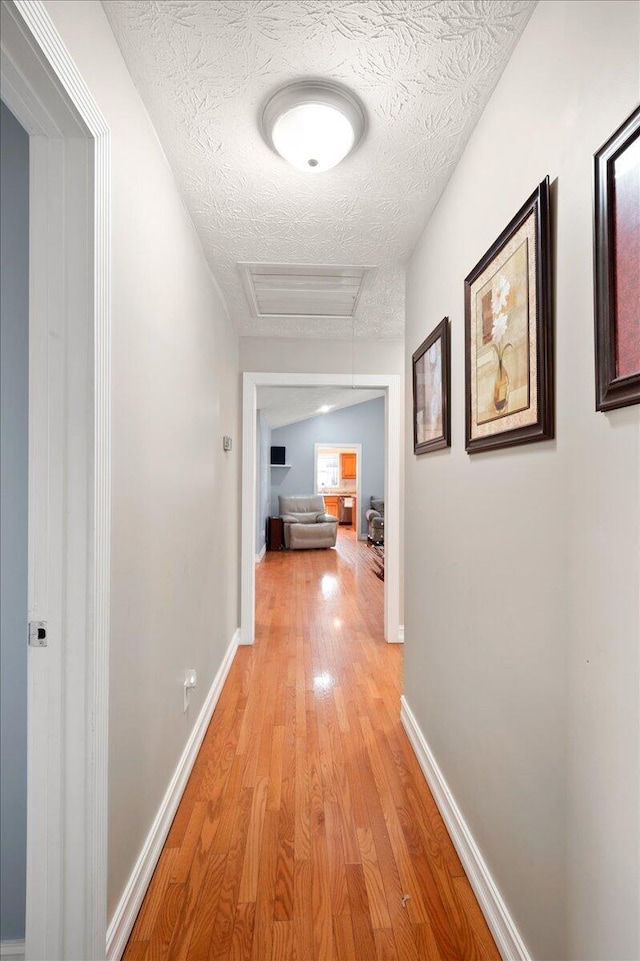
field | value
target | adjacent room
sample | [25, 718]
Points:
[319, 443]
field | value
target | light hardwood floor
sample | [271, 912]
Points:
[307, 830]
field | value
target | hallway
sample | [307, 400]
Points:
[306, 819]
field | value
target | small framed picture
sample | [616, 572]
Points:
[617, 267]
[432, 391]
[509, 334]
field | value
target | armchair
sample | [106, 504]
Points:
[375, 521]
[306, 525]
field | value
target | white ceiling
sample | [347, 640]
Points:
[424, 70]
[287, 405]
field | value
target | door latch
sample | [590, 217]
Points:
[37, 633]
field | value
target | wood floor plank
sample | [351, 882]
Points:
[306, 820]
[345, 947]
[249, 882]
[373, 880]
[155, 894]
[225, 915]
[323, 947]
[302, 917]
[360, 914]
[194, 944]
[386, 946]
[242, 937]
[158, 949]
[335, 850]
[137, 950]
[275, 768]
[485, 945]
[282, 943]
[187, 850]
[265, 901]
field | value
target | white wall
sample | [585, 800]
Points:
[175, 492]
[523, 566]
[14, 471]
[306, 355]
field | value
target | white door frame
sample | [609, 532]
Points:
[358, 449]
[391, 383]
[69, 486]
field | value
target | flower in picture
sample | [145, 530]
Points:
[499, 328]
[500, 295]
[499, 300]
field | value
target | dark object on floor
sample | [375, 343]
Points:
[275, 534]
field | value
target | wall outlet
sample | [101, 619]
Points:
[190, 681]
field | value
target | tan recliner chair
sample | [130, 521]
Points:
[306, 524]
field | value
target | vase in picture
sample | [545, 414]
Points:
[501, 388]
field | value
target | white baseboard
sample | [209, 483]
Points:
[127, 911]
[12, 950]
[502, 925]
[260, 555]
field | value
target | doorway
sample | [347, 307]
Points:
[390, 384]
[338, 478]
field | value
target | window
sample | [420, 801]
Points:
[327, 470]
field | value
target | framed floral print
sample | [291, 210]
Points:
[509, 334]
[432, 391]
[617, 267]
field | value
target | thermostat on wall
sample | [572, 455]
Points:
[227, 443]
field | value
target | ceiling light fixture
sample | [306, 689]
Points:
[313, 124]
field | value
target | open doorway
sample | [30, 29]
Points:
[338, 475]
[284, 481]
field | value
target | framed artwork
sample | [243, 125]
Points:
[432, 391]
[509, 334]
[617, 267]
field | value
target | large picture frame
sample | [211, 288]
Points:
[432, 391]
[509, 387]
[617, 267]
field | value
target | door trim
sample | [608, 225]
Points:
[391, 383]
[69, 485]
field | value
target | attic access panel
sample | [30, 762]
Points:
[303, 290]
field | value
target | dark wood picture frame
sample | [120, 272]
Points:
[442, 333]
[543, 428]
[612, 390]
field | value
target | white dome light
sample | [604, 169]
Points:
[313, 124]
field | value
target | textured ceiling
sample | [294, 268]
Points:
[287, 405]
[424, 70]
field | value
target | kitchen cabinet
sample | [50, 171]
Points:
[348, 466]
[331, 505]
[334, 504]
